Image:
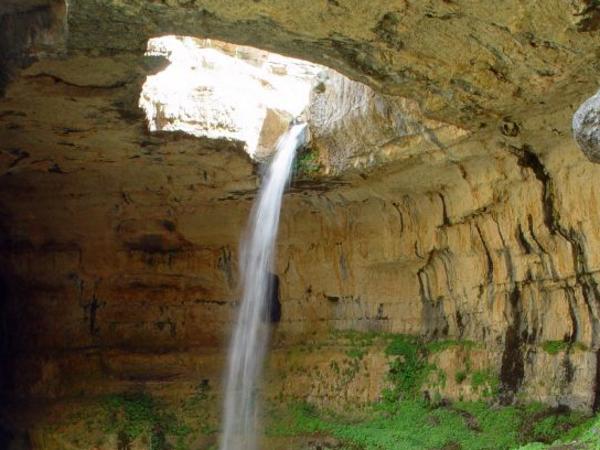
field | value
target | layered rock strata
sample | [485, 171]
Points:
[477, 223]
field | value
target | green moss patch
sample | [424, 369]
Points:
[307, 163]
[134, 420]
[554, 347]
[418, 425]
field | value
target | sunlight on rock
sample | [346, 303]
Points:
[219, 90]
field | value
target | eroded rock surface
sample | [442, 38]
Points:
[354, 127]
[477, 222]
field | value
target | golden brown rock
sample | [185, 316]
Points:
[119, 246]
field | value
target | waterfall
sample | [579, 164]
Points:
[250, 338]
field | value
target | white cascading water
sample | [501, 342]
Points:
[250, 339]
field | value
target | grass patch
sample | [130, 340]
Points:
[138, 414]
[134, 420]
[486, 382]
[417, 425]
[554, 347]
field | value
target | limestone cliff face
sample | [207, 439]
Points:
[463, 211]
[353, 127]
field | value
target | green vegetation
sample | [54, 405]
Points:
[139, 415]
[485, 382]
[460, 376]
[408, 368]
[135, 420]
[405, 418]
[418, 425]
[307, 163]
[410, 414]
[554, 347]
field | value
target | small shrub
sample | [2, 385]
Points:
[460, 376]
[408, 369]
[307, 163]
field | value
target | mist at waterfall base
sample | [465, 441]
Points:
[250, 339]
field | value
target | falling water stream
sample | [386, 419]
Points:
[250, 339]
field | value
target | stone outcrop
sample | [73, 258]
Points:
[463, 212]
[586, 126]
[352, 126]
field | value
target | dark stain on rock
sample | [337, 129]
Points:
[224, 265]
[569, 369]
[90, 314]
[18, 155]
[460, 324]
[589, 16]
[522, 240]
[509, 128]
[123, 441]
[163, 324]
[596, 405]
[386, 31]
[168, 225]
[512, 370]
[380, 314]
[155, 243]
[55, 168]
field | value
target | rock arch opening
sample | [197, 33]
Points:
[220, 90]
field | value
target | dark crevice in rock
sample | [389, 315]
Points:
[589, 16]
[445, 218]
[400, 216]
[596, 405]
[584, 277]
[57, 79]
[460, 324]
[224, 264]
[568, 368]
[488, 257]
[522, 240]
[386, 31]
[527, 159]
[512, 370]
[90, 314]
[570, 295]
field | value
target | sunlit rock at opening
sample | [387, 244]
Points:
[219, 90]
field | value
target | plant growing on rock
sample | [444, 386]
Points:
[307, 163]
